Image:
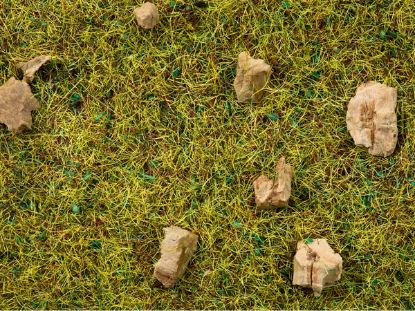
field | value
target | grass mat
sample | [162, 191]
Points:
[139, 129]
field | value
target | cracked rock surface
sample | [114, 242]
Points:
[176, 250]
[32, 66]
[16, 105]
[251, 77]
[371, 118]
[147, 15]
[268, 193]
[316, 265]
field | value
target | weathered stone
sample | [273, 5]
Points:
[31, 67]
[176, 250]
[16, 105]
[269, 194]
[147, 15]
[316, 265]
[251, 77]
[371, 118]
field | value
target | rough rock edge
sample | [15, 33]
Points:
[32, 66]
[316, 265]
[16, 104]
[251, 77]
[269, 194]
[147, 15]
[371, 118]
[177, 248]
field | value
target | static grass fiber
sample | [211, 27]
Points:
[138, 130]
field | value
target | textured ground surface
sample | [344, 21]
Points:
[138, 130]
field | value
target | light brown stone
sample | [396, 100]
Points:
[371, 118]
[16, 105]
[316, 265]
[147, 15]
[251, 77]
[176, 250]
[269, 194]
[31, 67]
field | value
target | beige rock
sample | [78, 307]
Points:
[31, 67]
[316, 265]
[16, 105]
[176, 250]
[147, 15]
[251, 77]
[269, 194]
[371, 118]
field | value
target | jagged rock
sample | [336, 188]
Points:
[371, 118]
[147, 15]
[316, 265]
[31, 67]
[270, 194]
[251, 76]
[16, 105]
[176, 250]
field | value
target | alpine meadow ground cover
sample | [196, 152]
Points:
[140, 129]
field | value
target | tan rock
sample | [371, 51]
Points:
[147, 15]
[269, 194]
[16, 105]
[251, 77]
[371, 118]
[316, 265]
[31, 67]
[176, 250]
